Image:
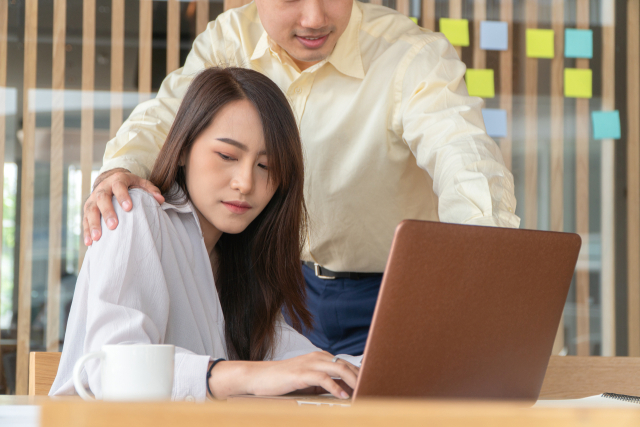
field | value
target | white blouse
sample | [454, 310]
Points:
[150, 281]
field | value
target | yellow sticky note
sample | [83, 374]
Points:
[456, 30]
[577, 83]
[480, 83]
[414, 19]
[539, 43]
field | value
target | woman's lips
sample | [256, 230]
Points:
[236, 207]
[313, 44]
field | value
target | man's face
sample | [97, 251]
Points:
[307, 30]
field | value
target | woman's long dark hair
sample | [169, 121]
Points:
[259, 269]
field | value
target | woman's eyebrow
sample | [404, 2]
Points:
[238, 144]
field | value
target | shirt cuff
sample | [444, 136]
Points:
[503, 219]
[190, 377]
[126, 163]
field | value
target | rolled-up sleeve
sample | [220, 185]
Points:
[128, 298]
[444, 128]
[140, 138]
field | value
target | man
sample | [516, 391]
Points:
[388, 129]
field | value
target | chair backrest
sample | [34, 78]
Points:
[43, 368]
[574, 377]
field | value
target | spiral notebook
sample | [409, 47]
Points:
[604, 400]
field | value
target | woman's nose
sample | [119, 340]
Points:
[243, 180]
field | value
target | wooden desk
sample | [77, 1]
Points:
[75, 413]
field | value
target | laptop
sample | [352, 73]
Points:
[464, 312]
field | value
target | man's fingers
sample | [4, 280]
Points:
[150, 188]
[86, 231]
[92, 217]
[121, 191]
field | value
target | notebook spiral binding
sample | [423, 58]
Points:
[623, 397]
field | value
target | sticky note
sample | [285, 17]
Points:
[414, 19]
[606, 124]
[539, 43]
[480, 83]
[456, 30]
[578, 43]
[495, 121]
[577, 83]
[494, 35]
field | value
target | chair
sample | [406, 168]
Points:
[43, 367]
[574, 377]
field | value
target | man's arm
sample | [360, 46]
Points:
[129, 157]
[444, 128]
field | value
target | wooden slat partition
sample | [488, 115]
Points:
[144, 48]
[26, 203]
[117, 65]
[479, 15]
[56, 174]
[506, 82]
[455, 12]
[402, 6]
[531, 125]
[86, 116]
[202, 12]
[429, 14]
[557, 137]
[4, 25]
[633, 175]
[582, 197]
[173, 35]
[608, 274]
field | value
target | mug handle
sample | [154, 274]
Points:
[77, 370]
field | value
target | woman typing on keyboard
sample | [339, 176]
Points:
[211, 269]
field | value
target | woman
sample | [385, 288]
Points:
[231, 172]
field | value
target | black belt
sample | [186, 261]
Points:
[324, 273]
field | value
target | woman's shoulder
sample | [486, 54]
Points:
[146, 212]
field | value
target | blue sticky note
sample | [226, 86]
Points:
[495, 120]
[494, 35]
[606, 124]
[578, 43]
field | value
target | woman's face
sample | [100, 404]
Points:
[226, 171]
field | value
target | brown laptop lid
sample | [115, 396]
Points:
[467, 312]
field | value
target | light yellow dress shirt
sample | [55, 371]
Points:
[388, 130]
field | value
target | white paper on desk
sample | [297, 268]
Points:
[587, 402]
[19, 415]
[354, 360]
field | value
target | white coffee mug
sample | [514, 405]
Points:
[131, 372]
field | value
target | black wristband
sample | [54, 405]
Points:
[215, 362]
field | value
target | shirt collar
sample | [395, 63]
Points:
[183, 208]
[345, 57]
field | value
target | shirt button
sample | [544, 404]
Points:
[298, 90]
[190, 399]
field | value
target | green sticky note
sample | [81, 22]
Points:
[456, 30]
[539, 43]
[414, 19]
[480, 83]
[577, 83]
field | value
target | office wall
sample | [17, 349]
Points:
[72, 70]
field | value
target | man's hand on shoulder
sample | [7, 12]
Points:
[114, 182]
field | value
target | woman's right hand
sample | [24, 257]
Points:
[282, 377]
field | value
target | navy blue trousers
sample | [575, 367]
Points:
[342, 310]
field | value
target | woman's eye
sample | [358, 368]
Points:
[223, 157]
[265, 167]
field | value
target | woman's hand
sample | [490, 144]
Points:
[282, 377]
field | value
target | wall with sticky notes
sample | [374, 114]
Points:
[553, 80]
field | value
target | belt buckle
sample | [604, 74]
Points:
[320, 276]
